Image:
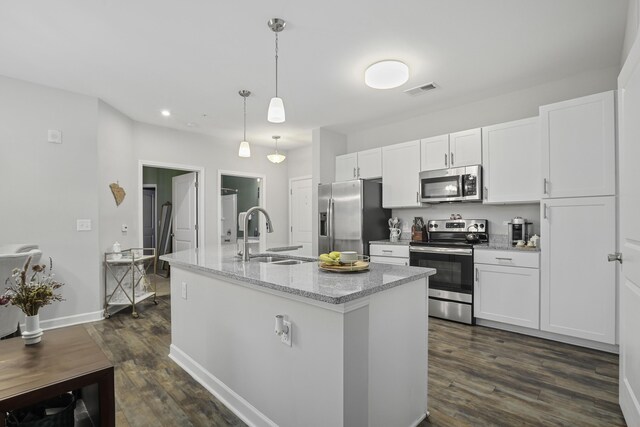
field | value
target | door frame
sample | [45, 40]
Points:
[291, 180]
[199, 170]
[263, 201]
[155, 211]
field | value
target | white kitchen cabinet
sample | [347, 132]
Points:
[389, 254]
[346, 167]
[578, 285]
[363, 164]
[453, 150]
[434, 153]
[465, 148]
[508, 294]
[400, 175]
[511, 162]
[578, 147]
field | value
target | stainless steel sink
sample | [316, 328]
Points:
[278, 260]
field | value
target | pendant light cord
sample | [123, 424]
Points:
[245, 119]
[276, 65]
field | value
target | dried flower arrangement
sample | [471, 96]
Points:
[31, 293]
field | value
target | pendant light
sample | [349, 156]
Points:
[276, 157]
[245, 149]
[275, 114]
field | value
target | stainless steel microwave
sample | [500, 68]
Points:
[462, 184]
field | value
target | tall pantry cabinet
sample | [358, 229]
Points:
[578, 211]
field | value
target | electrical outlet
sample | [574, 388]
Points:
[184, 290]
[83, 225]
[125, 228]
[286, 338]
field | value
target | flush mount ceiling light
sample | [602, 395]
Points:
[244, 150]
[386, 74]
[276, 157]
[275, 114]
[165, 113]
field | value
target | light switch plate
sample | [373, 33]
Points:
[184, 290]
[83, 225]
[54, 136]
[125, 228]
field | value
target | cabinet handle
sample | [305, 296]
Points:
[451, 159]
[445, 159]
[354, 172]
[417, 197]
[387, 251]
[504, 259]
[476, 274]
[544, 211]
[358, 171]
[486, 193]
[544, 186]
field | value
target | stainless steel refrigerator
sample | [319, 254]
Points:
[350, 216]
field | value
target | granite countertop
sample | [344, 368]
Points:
[504, 247]
[305, 280]
[401, 242]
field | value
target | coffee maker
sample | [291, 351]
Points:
[519, 229]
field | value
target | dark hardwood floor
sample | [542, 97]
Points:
[477, 377]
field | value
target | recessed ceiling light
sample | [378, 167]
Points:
[165, 113]
[386, 74]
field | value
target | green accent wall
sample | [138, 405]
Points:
[248, 197]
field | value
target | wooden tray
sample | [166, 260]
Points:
[345, 268]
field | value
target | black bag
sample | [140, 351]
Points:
[36, 416]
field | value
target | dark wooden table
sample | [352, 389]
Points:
[66, 359]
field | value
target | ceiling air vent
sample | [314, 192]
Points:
[419, 90]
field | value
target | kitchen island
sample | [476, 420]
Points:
[357, 345]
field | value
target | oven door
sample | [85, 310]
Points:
[454, 269]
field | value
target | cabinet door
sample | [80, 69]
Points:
[400, 175]
[346, 167]
[578, 285]
[434, 153]
[578, 147]
[370, 163]
[508, 295]
[465, 148]
[511, 162]
[390, 260]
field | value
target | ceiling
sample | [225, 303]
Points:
[193, 56]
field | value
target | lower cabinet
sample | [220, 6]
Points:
[507, 287]
[389, 254]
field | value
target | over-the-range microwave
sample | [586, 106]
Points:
[463, 184]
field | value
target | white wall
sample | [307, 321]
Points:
[503, 108]
[159, 144]
[631, 30]
[45, 187]
[299, 162]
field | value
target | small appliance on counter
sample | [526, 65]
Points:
[449, 249]
[519, 229]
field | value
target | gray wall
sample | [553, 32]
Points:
[163, 179]
[45, 187]
[248, 197]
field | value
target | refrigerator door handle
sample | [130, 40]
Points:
[330, 223]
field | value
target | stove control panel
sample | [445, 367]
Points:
[458, 225]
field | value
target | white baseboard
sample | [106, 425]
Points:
[418, 421]
[239, 406]
[629, 404]
[609, 348]
[76, 319]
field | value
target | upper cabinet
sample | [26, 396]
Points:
[578, 147]
[511, 162]
[453, 150]
[363, 164]
[400, 175]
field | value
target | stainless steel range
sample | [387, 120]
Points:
[449, 249]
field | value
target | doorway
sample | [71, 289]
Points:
[239, 191]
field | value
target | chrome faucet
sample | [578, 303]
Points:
[245, 251]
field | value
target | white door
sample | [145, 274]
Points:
[370, 163]
[149, 217]
[578, 285]
[629, 126]
[434, 153]
[185, 208]
[465, 148]
[346, 167]
[512, 150]
[578, 147]
[301, 216]
[229, 218]
[401, 175]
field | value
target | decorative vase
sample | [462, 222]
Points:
[32, 333]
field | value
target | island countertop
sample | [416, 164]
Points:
[305, 280]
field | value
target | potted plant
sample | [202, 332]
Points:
[29, 291]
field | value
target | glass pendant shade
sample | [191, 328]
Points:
[276, 157]
[386, 74]
[276, 111]
[244, 150]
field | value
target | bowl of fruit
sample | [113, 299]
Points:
[343, 262]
